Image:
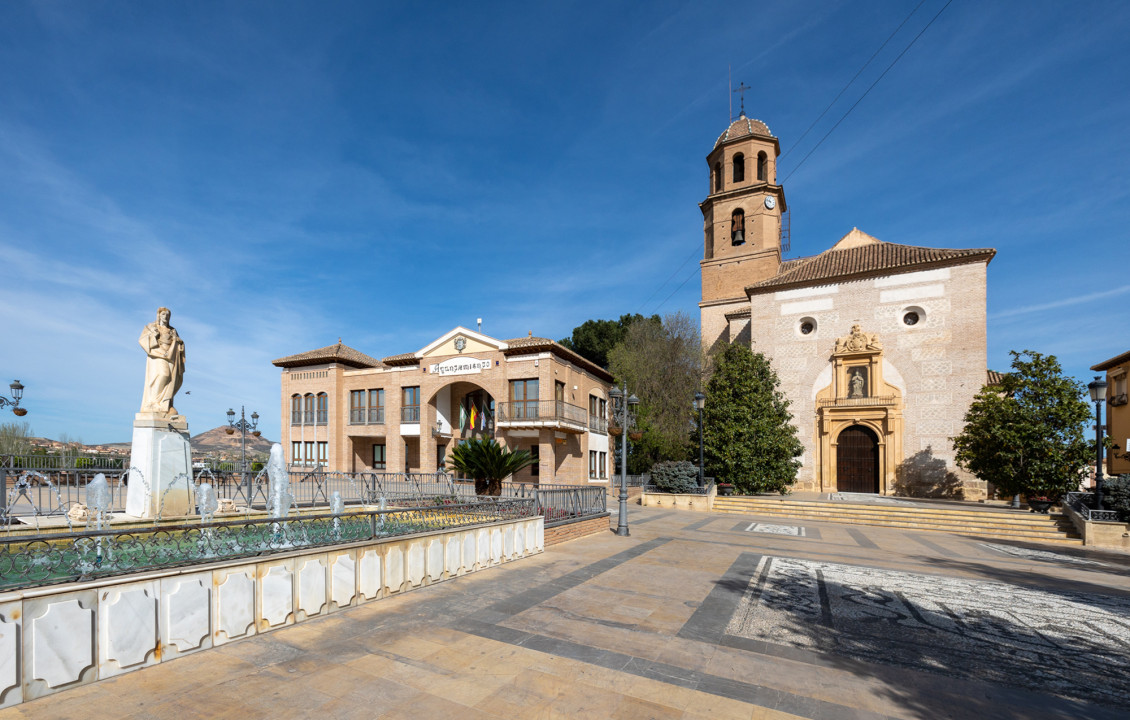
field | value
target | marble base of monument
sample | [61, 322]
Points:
[162, 485]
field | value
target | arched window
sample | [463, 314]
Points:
[737, 227]
[323, 408]
[762, 165]
[296, 409]
[717, 177]
[739, 168]
[308, 408]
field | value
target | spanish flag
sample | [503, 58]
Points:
[474, 415]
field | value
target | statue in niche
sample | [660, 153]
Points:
[858, 341]
[857, 386]
[164, 366]
[737, 228]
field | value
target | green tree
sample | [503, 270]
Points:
[487, 463]
[662, 364]
[748, 437]
[1027, 435]
[594, 339]
[15, 438]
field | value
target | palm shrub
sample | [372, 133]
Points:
[676, 476]
[487, 463]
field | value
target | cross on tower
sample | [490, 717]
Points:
[740, 90]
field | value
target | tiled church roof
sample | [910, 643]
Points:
[331, 354]
[994, 377]
[869, 259]
[742, 127]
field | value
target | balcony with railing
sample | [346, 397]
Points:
[877, 401]
[410, 414]
[542, 413]
[598, 424]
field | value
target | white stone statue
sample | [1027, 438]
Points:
[164, 368]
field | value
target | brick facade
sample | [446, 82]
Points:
[559, 427]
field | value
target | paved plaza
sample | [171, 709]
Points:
[694, 616]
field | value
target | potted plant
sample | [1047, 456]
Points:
[1040, 503]
[725, 489]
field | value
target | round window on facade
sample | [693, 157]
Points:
[912, 316]
[806, 326]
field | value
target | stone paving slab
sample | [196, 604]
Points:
[690, 617]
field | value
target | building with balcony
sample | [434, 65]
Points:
[879, 347]
[1117, 413]
[346, 411]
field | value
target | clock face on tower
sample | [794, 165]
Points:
[770, 202]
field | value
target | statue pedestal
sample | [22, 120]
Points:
[162, 458]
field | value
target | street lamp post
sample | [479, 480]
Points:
[623, 411]
[700, 403]
[243, 427]
[1098, 396]
[14, 401]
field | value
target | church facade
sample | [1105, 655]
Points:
[880, 347]
[345, 411]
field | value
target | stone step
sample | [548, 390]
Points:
[1003, 525]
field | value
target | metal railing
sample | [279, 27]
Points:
[857, 402]
[33, 560]
[410, 414]
[64, 462]
[367, 416]
[598, 424]
[540, 411]
[1081, 503]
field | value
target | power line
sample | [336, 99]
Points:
[831, 130]
[664, 283]
[866, 92]
[836, 99]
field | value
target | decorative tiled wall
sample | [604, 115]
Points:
[56, 638]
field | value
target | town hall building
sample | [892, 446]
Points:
[880, 347]
[345, 411]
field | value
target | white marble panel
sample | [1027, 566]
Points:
[495, 546]
[127, 628]
[508, 542]
[235, 604]
[435, 558]
[276, 595]
[520, 539]
[416, 564]
[369, 575]
[469, 552]
[343, 580]
[394, 568]
[531, 536]
[312, 587]
[919, 292]
[186, 614]
[58, 643]
[539, 537]
[806, 306]
[482, 542]
[453, 562]
[10, 691]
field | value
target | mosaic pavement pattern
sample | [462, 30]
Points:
[1070, 644]
[1043, 555]
[776, 529]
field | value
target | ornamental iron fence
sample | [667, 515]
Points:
[45, 559]
[1081, 502]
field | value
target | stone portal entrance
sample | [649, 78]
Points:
[857, 460]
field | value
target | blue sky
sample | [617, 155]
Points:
[281, 174]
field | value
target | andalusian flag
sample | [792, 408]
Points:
[474, 415]
[462, 417]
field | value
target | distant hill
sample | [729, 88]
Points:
[217, 441]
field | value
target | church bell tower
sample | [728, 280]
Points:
[741, 222]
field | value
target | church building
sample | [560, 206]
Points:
[880, 347]
[345, 411]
